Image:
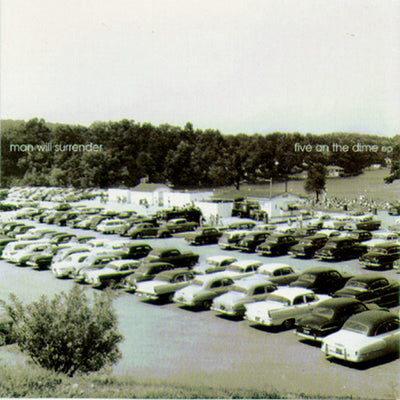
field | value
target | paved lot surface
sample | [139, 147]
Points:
[175, 345]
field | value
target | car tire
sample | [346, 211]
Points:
[206, 304]
[288, 324]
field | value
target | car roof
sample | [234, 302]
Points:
[338, 302]
[172, 272]
[220, 258]
[122, 262]
[387, 244]
[213, 276]
[245, 263]
[291, 292]
[249, 283]
[373, 318]
[367, 277]
[318, 270]
[270, 267]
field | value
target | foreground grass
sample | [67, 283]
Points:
[27, 380]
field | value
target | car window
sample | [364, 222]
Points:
[259, 290]
[216, 284]
[309, 297]
[298, 300]
[378, 284]
[227, 282]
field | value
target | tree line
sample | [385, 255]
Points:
[183, 157]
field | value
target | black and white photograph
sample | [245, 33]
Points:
[200, 199]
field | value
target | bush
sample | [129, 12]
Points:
[68, 334]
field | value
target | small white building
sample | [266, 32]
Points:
[333, 171]
[149, 194]
[119, 195]
[280, 204]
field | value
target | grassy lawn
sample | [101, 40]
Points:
[370, 184]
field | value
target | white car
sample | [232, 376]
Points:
[111, 273]
[64, 268]
[283, 307]
[229, 239]
[247, 290]
[12, 249]
[364, 337]
[242, 268]
[279, 273]
[214, 264]
[21, 257]
[110, 225]
[202, 291]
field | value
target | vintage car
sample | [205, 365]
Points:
[173, 256]
[230, 238]
[329, 316]
[340, 248]
[214, 264]
[13, 251]
[277, 244]
[283, 307]
[381, 256]
[181, 225]
[20, 230]
[63, 268]
[278, 273]
[92, 262]
[111, 274]
[133, 251]
[241, 268]
[372, 288]
[110, 225]
[205, 235]
[250, 242]
[4, 242]
[147, 229]
[34, 234]
[307, 246]
[321, 279]
[366, 223]
[146, 272]
[364, 337]
[246, 290]
[241, 225]
[202, 291]
[164, 285]
[360, 235]
[42, 259]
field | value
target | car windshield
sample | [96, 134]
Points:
[213, 263]
[355, 326]
[236, 268]
[273, 239]
[379, 250]
[306, 241]
[279, 299]
[198, 282]
[324, 311]
[357, 284]
[307, 278]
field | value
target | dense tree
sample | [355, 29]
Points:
[316, 180]
[69, 333]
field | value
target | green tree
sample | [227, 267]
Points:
[316, 180]
[68, 333]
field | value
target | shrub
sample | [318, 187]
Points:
[68, 333]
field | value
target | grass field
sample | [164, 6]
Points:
[370, 184]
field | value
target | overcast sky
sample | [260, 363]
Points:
[246, 66]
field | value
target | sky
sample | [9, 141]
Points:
[239, 66]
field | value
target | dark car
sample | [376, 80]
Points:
[277, 244]
[372, 288]
[181, 225]
[381, 256]
[308, 246]
[206, 235]
[146, 272]
[173, 256]
[322, 280]
[134, 251]
[329, 316]
[147, 229]
[250, 242]
[341, 248]
[360, 235]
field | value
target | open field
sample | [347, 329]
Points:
[370, 184]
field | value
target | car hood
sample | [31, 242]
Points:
[313, 321]
[230, 298]
[149, 286]
[189, 291]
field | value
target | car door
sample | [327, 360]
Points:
[389, 334]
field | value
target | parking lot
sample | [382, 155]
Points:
[176, 345]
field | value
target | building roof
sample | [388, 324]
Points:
[149, 187]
